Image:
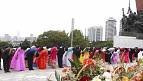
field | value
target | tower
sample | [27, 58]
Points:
[95, 33]
[129, 9]
[72, 28]
[110, 30]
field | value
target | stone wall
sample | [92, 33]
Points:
[127, 42]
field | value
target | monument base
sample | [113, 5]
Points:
[127, 42]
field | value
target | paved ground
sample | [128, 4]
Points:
[34, 75]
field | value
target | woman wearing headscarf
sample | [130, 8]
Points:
[18, 62]
[42, 59]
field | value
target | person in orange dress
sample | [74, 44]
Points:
[42, 59]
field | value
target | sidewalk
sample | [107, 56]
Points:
[34, 75]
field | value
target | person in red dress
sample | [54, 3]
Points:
[42, 59]
[53, 57]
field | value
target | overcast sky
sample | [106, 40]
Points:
[24, 17]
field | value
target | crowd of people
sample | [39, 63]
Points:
[18, 59]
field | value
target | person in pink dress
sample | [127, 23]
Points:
[18, 62]
[126, 55]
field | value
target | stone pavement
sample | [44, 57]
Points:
[34, 75]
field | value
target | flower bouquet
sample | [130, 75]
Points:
[128, 73]
[85, 71]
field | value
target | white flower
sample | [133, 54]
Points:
[96, 78]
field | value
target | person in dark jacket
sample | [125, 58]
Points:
[6, 59]
[60, 56]
[29, 55]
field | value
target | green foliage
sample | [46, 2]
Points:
[25, 44]
[75, 64]
[91, 70]
[100, 44]
[78, 39]
[51, 38]
[5, 44]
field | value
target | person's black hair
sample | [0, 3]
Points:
[66, 49]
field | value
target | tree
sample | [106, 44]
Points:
[78, 39]
[100, 44]
[51, 38]
[25, 44]
[4, 44]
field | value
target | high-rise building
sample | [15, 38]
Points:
[110, 30]
[139, 5]
[7, 37]
[31, 38]
[95, 33]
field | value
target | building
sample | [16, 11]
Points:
[31, 38]
[110, 30]
[139, 5]
[95, 33]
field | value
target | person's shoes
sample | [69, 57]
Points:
[31, 69]
[0, 69]
[61, 67]
[8, 71]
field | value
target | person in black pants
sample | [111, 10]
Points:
[29, 54]
[60, 56]
[131, 52]
[6, 59]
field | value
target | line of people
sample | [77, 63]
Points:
[18, 59]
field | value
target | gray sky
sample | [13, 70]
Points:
[24, 17]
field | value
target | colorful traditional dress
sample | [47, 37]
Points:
[140, 57]
[18, 62]
[69, 55]
[103, 55]
[64, 59]
[53, 57]
[114, 58]
[86, 53]
[126, 57]
[81, 58]
[42, 59]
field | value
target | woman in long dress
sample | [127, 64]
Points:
[126, 56]
[69, 55]
[18, 62]
[42, 59]
[64, 57]
[53, 57]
